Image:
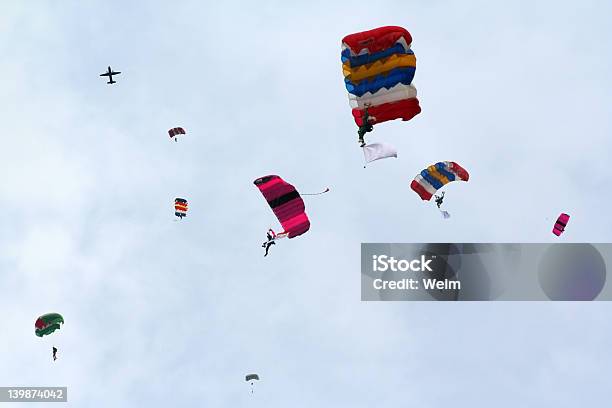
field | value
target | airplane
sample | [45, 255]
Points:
[110, 74]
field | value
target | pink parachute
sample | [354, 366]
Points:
[286, 203]
[560, 224]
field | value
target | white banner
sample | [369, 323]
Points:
[377, 151]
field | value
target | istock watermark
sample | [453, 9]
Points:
[485, 271]
[385, 263]
[382, 263]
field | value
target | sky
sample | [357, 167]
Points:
[162, 313]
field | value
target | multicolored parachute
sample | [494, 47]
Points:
[286, 203]
[378, 67]
[560, 224]
[428, 181]
[174, 132]
[180, 207]
[47, 324]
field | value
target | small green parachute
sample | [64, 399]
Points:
[48, 323]
[251, 377]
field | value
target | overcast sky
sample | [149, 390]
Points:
[173, 314]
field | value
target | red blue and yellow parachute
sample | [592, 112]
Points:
[429, 180]
[180, 207]
[378, 67]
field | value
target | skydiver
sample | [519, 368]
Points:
[366, 127]
[439, 199]
[54, 353]
[271, 236]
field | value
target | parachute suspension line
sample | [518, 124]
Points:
[322, 192]
[252, 386]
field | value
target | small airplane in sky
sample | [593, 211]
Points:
[110, 74]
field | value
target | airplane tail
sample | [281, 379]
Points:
[111, 82]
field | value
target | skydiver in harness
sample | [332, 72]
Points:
[366, 126]
[271, 237]
[439, 199]
[54, 353]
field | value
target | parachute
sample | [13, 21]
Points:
[180, 207]
[378, 67]
[47, 324]
[251, 377]
[428, 181]
[560, 224]
[286, 203]
[174, 132]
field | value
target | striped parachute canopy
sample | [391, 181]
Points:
[378, 67]
[174, 132]
[47, 324]
[560, 224]
[428, 181]
[180, 207]
[286, 203]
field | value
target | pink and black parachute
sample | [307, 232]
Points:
[560, 224]
[286, 203]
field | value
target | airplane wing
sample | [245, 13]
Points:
[115, 73]
[106, 74]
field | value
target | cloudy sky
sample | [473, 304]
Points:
[162, 313]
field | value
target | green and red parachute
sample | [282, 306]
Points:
[286, 203]
[47, 324]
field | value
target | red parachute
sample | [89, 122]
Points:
[174, 132]
[377, 40]
[286, 203]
